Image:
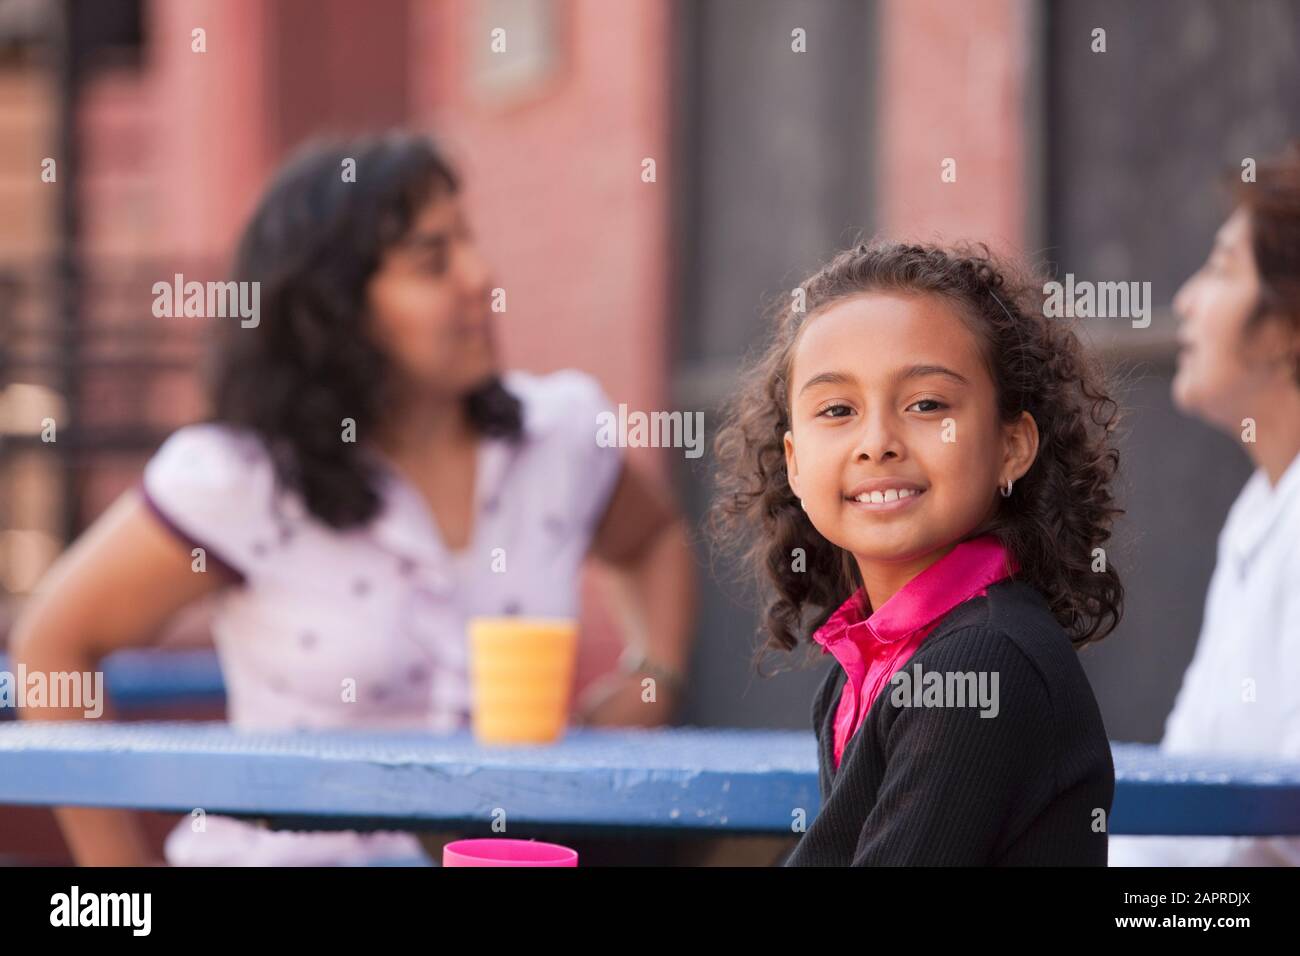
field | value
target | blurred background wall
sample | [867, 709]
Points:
[767, 160]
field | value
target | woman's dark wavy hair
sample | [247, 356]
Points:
[1061, 509]
[313, 244]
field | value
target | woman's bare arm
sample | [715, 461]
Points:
[113, 588]
[642, 540]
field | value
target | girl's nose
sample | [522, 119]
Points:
[877, 440]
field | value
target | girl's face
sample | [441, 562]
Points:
[1222, 368]
[429, 303]
[895, 445]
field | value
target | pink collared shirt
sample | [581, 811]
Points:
[872, 648]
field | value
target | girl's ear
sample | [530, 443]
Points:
[791, 463]
[1020, 447]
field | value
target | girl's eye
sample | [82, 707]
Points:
[435, 264]
[826, 412]
[933, 402]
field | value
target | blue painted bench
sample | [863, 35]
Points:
[693, 781]
[145, 679]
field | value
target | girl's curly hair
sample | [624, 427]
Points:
[1062, 508]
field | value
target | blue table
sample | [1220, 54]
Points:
[689, 780]
[145, 679]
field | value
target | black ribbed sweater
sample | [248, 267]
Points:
[942, 785]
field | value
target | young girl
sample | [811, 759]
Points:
[922, 464]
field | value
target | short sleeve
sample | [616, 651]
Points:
[211, 486]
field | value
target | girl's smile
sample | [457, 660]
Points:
[888, 496]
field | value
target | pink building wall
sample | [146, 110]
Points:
[555, 191]
[953, 84]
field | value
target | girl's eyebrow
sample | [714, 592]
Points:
[918, 371]
[828, 378]
[913, 371]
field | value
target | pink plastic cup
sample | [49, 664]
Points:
[499, 851]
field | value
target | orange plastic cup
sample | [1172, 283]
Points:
[521, 675]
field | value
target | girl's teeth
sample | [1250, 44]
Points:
[880, 497]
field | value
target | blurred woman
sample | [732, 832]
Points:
[369, 479]
[1239, 370]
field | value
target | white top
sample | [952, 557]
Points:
[380, 609]
[1241, 694]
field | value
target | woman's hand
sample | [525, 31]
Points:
[618, 699]
[643, 546]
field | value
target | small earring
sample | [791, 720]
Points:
[802, 505]
[1006, 492]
